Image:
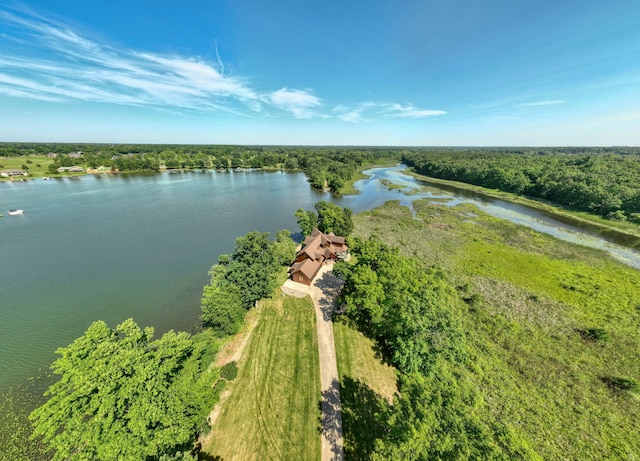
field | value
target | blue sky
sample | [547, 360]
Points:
[415, 72]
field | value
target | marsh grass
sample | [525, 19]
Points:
[528, 297]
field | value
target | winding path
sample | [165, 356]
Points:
[323, 292]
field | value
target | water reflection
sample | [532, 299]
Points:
[374, 192]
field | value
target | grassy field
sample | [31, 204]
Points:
[554, 328]
[37, 165]
[367, 387]
[273, 410]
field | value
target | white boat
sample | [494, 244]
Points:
[15, 212]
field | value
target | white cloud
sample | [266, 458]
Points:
[554, 102]
[369, 111]
[409, 111]
[300, 103]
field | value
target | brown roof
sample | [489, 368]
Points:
[308, 267]
[335, 239]
[321, 246]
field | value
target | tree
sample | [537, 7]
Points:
[333, 218]
[307, 221]
[284, 248]
[252, 267]
[222, 308]
[122, 395]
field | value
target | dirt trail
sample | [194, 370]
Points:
[323, 292]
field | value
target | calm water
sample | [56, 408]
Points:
[114, 247]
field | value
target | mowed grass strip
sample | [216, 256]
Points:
[367, 387]
[273, 411]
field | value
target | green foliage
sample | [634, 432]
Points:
[539, 381]
[334, 218]
[222, 308]
[594, 334]
[122, 395]
[252, 267]
[284, 248]
[229, 371]
[410, 311]
[602, 182]
[307, 221]
[440, 417]
[242, 278]
[329, 218]
[618, 383]
[413, 314]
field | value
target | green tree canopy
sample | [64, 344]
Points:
[222, 308]
[252, 267]
[123, 395]
[329, 218]
[334, 218]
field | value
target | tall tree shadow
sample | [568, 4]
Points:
[364, 413]
[331, 418]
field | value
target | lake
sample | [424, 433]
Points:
[110, 247]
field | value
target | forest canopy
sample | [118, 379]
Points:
[607, 183]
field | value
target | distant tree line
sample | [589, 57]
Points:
[600, 181]
[327, 168]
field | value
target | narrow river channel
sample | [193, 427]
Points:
[622, 247]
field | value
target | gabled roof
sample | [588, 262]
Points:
[335, 239]
[308, 267]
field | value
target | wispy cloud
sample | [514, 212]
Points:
[554, 102]
[301, 104]
[370, 111]
[409, 111]
[46, 60]
[59, 64]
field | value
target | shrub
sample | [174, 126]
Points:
[618, 383]
[229, 371]
[594, 334]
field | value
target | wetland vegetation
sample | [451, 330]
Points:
[538, 359]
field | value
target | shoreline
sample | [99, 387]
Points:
[576, 216]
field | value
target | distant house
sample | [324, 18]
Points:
[74, 154]
[71, 169]
[317, 249]
[11, 173]
[52, 155]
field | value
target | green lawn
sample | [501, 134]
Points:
[366, 390]
[552, 326]
[273, 411]
[37, 165]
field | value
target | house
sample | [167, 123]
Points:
[52, 155]
[75, 154]
[71, 169]
[10, 173]
[317, 249]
